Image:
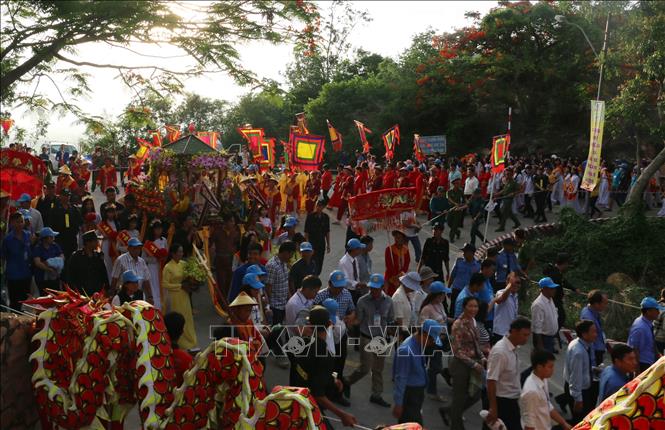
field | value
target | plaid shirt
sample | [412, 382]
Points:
[466, 345]
[343, 299]
[278, 278]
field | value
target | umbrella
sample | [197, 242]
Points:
[21, 173]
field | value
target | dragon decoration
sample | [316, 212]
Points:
[92, 364]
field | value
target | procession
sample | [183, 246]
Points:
[331, 276]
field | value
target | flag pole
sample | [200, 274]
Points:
[487, 221]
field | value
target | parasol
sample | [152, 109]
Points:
[21, 173]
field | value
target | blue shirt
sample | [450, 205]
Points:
[408, 368]
[642, 339]
[485, 296]
[44, 254]
[462, 272]
[17, 253]
[460, 298]
[506, 262]
[589, 314]
[611, 379]
[577, 369]
[236, 281]
[505, 313]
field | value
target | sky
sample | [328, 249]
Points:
[393, 25]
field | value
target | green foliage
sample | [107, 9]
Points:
[632, 246]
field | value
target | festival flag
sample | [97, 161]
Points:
[156, 138]
[253, 136]
[209, 137]
[391, 140]
[172, 132]
[500, 146]
[362, 130]
[306, 151]
[144, 149]
[335, 137]
[592, 168]
[416, 148]
[266, 156]
[302, 123]
[7, 123]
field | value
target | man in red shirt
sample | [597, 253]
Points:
[390, 176]
[359, 182]
[326, 181]
[347, 192]
[108, 174]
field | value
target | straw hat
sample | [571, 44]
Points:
[243, 299]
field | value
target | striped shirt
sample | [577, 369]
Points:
[126, 262]
[343, 299]
[278, 279]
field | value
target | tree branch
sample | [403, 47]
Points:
[119, 67]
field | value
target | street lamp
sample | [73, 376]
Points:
[563, 20]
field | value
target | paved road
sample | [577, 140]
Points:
[368, 414]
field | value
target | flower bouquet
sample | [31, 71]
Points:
[194, 275]
[208, 161]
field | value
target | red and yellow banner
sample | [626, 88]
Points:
[209, 137]
[335, 137]
[7, 124]
[500, 147]
[306, 151]
[172, 132]
[382, 204]
[390, 141]
[362, 132]
[253, 136]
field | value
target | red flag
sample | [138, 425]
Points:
[362, 130]
[156, 138]
[500, 147]
[172, 132]
[416, 148]
[209, 137]
[391, 140]
[335, 137]
[7, 123]
[254, 137]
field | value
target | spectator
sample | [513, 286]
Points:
[506, 305]
[67, 221]
[460, 276]
[503, 377]
[436, 252]
[506, 262]
[641, 336]
[317, 227]
[624, 365]
[374, 312]
[409, 372]
[349, 265]
[535, 406]
[132, 260]
[36, 221]
[305, 266]
[476, 284]
[16, 254]
[407, 301]
[253, 256]
[48, 261]
[85, 270]
[277, 281]
[175, 325]
[364, 259]
[578, 371]
[129, 290]
[597, 303]
[467, 366]
[544, 316]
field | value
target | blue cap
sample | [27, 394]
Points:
[130, 276]
[256, 269]
[48, 232]
[354, 244]
[338, 279]
[25, 197]
[455, 176]
[547, 283]
[290, 222]
[651, 303]
[134, 242]
[439, 287]
[376, 281]
[331, 305]
[433, 330]
[252, 279]
[306, 246]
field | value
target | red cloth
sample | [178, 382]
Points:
[181, 361]
[108, 176]
[484, 179]
[443, 179]
[326, 180]
[359, 185]
[336, 198]
[397, 263]
[65, 181]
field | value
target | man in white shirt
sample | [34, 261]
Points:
[349, 265]
[407, 300]
[303, 299]
[535, 406]
[544, 316]
[506, 304]
[471, 184]
[132, 260]
[503, 376]
[528, 192]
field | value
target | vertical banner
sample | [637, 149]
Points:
[362, 131]
[500, 147]
[335, 137]
[391, 140]
[301, 122]
[592, 171]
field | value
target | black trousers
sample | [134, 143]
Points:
[278, 316]
[541, 202]
[412, 404]
[589, 398]
[340, 355]
[509, 412]
[18, 291]
[528, 209]
[319, 254]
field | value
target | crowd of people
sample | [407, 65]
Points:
[458, 320]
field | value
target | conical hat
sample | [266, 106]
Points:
[64, 170]
[243, 299]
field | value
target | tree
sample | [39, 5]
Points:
[207, 114]
[38, 41]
